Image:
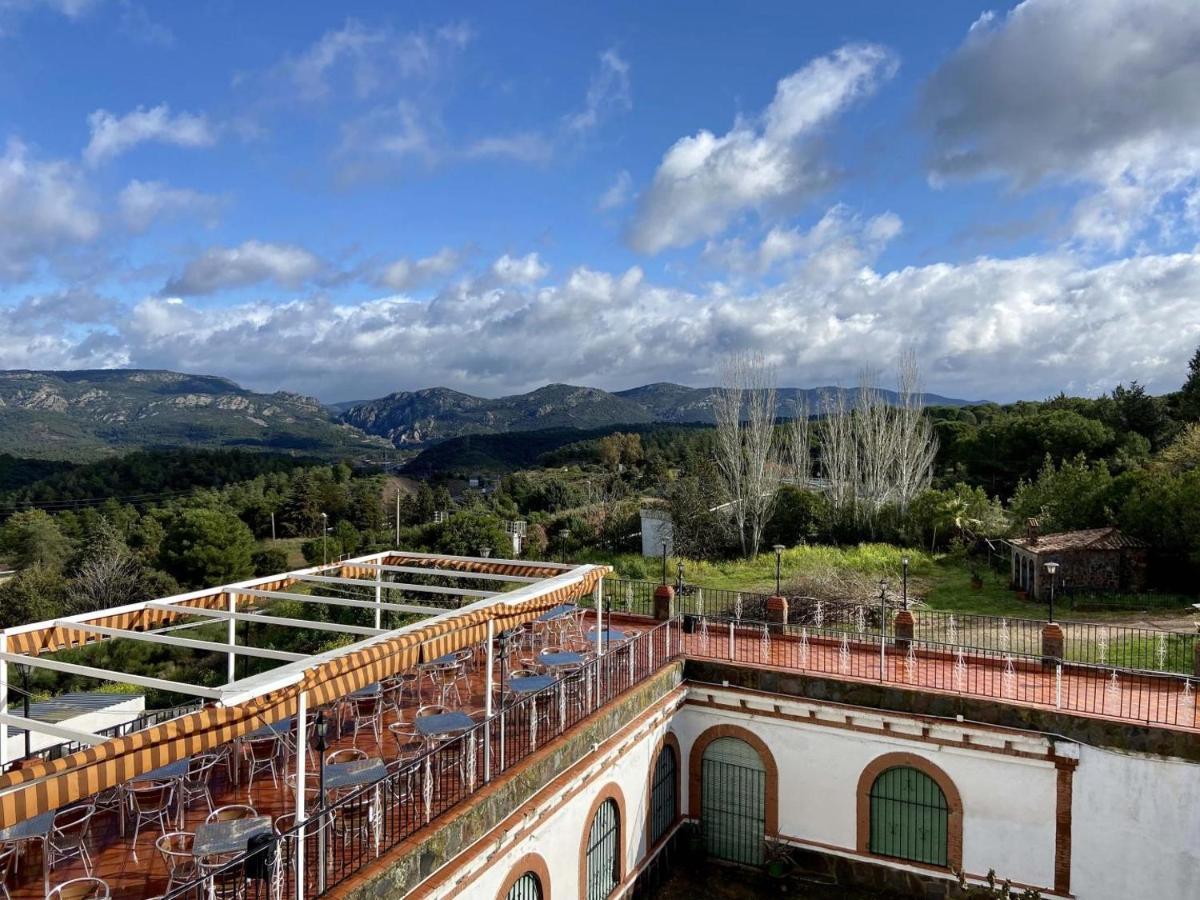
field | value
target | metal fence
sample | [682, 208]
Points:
[1155, 698]
[358, 828]
[1120, 646]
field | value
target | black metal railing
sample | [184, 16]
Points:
[361, 826]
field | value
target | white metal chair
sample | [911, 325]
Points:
[151, 803]
[175, 848]
[68, 836]
[366, 712]
[80, 889]
[260, 756]
[195, 785]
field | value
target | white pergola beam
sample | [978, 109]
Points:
[397, 586]
[270, 620]
[162, 684]
[452, 573]
[344, 601]
[155, 638]
[68, 734]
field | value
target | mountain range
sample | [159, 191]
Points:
[87, 414]
[418, 418]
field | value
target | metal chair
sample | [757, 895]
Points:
[8, 862]
[151, 802]
[175, 847]
[224, 876]
[260, 755]
[68, 836]
[345, 755]
[366, 712]
[80, 889]
[231, 813]
[195, 785]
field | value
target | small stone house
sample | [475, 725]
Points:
[1094, 559]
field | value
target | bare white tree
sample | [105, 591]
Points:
[839, 454]
[874, 421]
[915, 441]
[799, 444]
[105, 580]
[748, 457]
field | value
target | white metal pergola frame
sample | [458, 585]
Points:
[294, 665]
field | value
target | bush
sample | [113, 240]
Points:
[269, 561]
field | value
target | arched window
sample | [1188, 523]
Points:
[604, 840]
[664, 800]
[527, 887]
[909, 817]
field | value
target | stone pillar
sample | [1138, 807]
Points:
[664, 599]
[1052, 642]
[777, 610]
[904, 629]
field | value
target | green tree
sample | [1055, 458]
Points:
[466, 533]
[32, 538]
[269, 561]
[33, 595]
[1189, 394]
[1077, 494]
[206, 546]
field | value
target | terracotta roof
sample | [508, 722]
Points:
[1086, 539]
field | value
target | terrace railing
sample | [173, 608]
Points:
[1151, 697]
[1099, 644]
[362, 826]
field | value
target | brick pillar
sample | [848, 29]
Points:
[777, 610]
[664, 599]
[904, 629]
[1052, 642]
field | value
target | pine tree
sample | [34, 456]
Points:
[1189, 394]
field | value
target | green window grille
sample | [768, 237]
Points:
[663, 790]
[909, 817]
[733, 801]
[527, 887]
[603, 873]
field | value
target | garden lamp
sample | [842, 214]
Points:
[1051, 569]
[778, 565]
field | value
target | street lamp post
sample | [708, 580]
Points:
[320, 729]
[882, 629]
[324, 539]
[678, 576]
[566, 533]
[1051, 569]
[778, 565]
[485, 552]
[904, 563]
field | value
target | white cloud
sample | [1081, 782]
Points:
[44, 210]
[619, 192]
[113, 135]
[369, 59]
[528, 147]
[142, 202]
[991, 328]
[1099, 94]
[704, 181]
[518, 270]
[609, 92]
[836, 247]
[252, 262]
[408, 274]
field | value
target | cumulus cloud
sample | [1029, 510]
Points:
[251, 262]
[143, 202]
[408, 274]
[113, 135]
[837, 246]
[608, 93]
[44, 210]
[705, 181]
[1099, 94]
[991, 328]
[526, 269]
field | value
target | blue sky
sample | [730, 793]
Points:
[351, 199]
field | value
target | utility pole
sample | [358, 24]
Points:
[272, 525]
